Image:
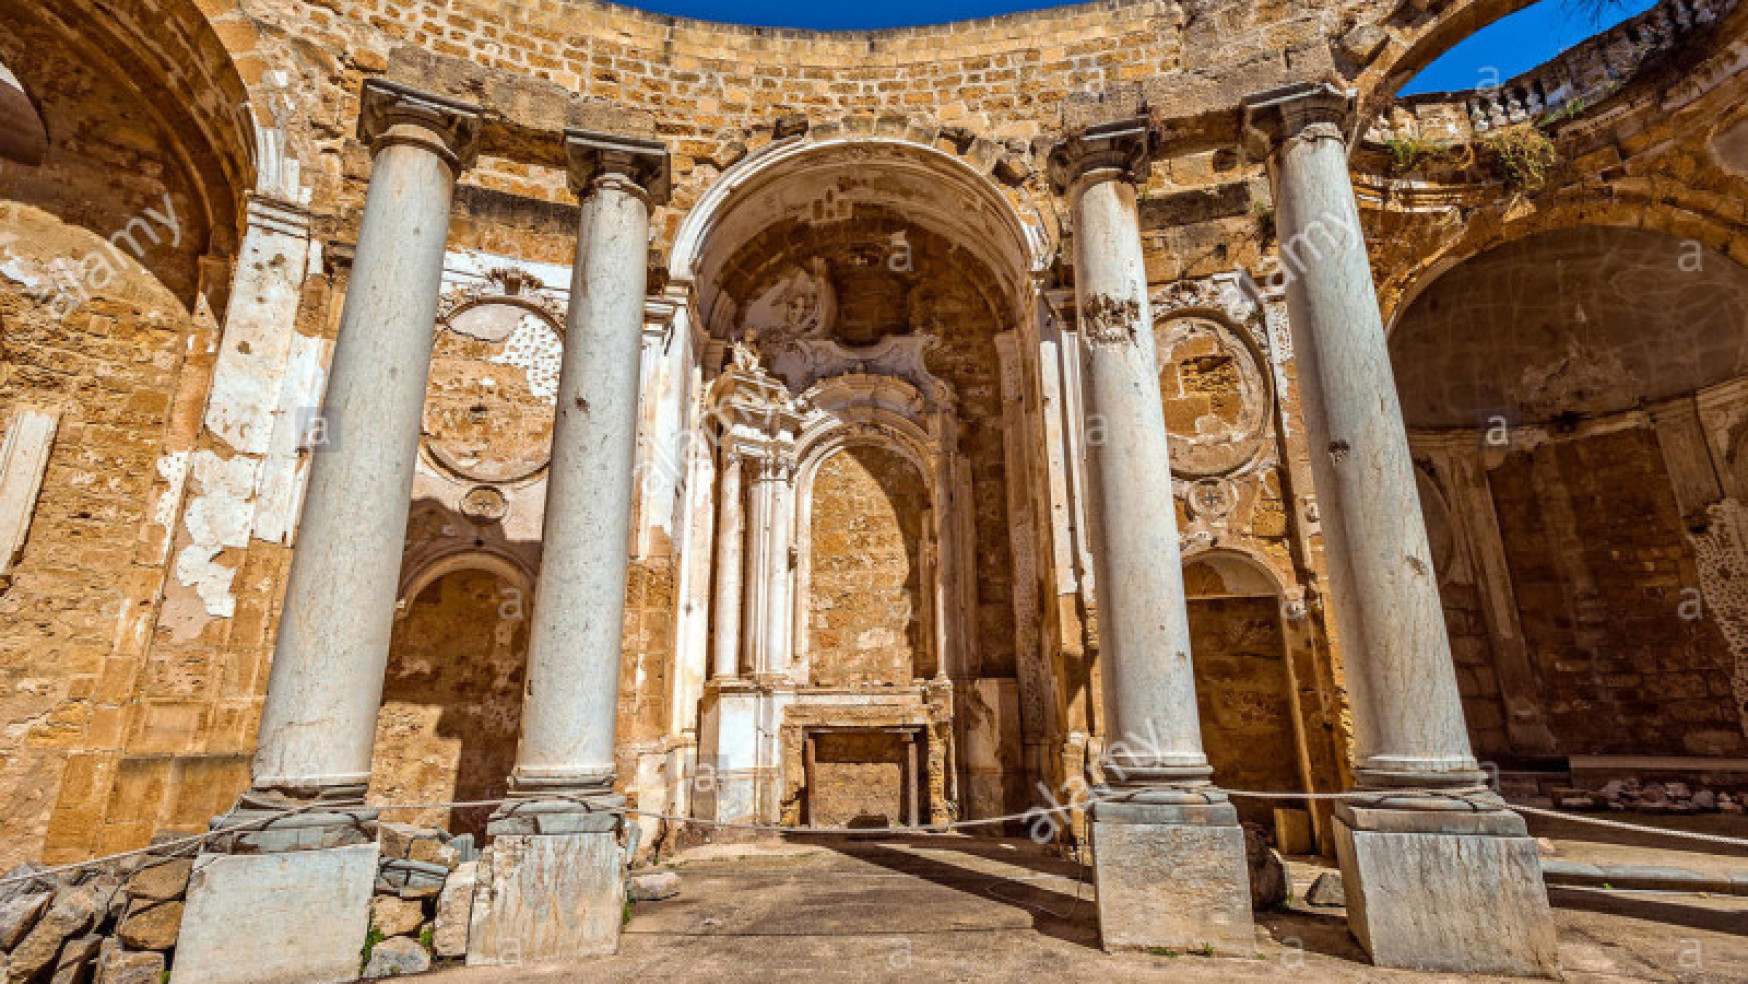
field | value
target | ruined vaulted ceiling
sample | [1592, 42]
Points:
[1585, 321]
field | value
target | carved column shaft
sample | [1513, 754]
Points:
[576, 637]
[1408, 714]
[1149, 684]
[318, 725]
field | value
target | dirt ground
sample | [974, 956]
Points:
[950, 909]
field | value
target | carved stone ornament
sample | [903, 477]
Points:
[1109, 321]
[392, 113]
[485, 504]
[641, 163]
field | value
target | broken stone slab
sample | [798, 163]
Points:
[454, 911]
[118, 966]
[429, 851]
[164, 880]
[411, 879]
[78, 960]
[151, 925]
[514, 919]
[397, 957]
[393, 916]
[74, 912]
[77, 963]
[19, 914]
[296, 918]
[1268, 872]
[1326, 891]
[654, 886]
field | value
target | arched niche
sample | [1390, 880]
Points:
[899, 447]
[453, 691]
[1246, 683]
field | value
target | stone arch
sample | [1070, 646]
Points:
[805, 173]
[23, 136]
[453, 689]
[1579, 424]
[881, 412]
[1416, 37]
[1668, 213]
[99, 74]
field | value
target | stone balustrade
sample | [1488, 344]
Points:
[1579, 77]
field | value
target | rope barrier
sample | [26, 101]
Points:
[173, 847]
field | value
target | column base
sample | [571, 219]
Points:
[293, 917]
[1443, 889]
[552, 893]
[1170, 872]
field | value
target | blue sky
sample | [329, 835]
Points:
[1515, 44]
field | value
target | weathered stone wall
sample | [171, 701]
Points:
[1599, 561]
[867, 622]
[102, 324]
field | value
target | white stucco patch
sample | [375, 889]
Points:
[173, 469]
[535, 349]
[219, 516]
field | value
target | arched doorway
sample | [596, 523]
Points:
[452, 698]
[1245, 686]
[852, 292]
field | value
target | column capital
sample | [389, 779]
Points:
[1123, 148]
[393, 113]
[635, 164]
[1303, 110]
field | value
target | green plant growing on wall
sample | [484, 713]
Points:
[1521, 157]
[1410, 154]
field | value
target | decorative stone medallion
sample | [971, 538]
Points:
[484, 504]
[494, 376]
[1217, 395]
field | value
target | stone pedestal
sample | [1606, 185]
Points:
[550, 889]
[1172, 876]
[728, 753]
[1443, 890]
[292, 918]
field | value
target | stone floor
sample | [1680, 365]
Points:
[947, 909]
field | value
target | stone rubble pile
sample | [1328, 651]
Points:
[1635, 796]
[116, 923]
[424, 895]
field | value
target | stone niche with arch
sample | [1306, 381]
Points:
[855, 290]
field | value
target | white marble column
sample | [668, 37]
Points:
[579, 604]
[1153, 735]
[1168, 854]
[319, 721]
[1408, 713]
[1468, 865]
[730, 544]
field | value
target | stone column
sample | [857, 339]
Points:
[578, 619]
[730, 543]
[319, 721]
[559, 838]
[305, 881]
[1479, 904]
[1164, 836]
